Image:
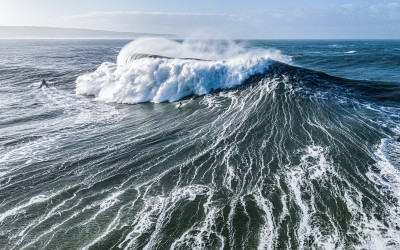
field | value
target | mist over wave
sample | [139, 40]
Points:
[173, 70]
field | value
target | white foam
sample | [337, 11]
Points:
[170, 79]
[104, 205]
[267, 233]
[159, 207]
[202, 231]
[350, 52]
[387, 154]
[372, 233]
[20, 208]
[313, 166]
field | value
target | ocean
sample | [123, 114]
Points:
[160, 144]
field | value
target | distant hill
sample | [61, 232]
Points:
[34, 32]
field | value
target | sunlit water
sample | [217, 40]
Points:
[261, 154]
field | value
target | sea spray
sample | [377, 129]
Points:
[173, 70]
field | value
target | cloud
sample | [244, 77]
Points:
[393, 5]
[141, 13]
[390, 11]
[153, 22]
[348, 6]
[342, 21]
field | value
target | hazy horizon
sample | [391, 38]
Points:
[77, 33]
[231, 19]
[41, 32]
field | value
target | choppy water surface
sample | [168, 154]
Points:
[263, 153]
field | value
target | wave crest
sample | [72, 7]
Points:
[171, 70]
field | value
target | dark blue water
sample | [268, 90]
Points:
[276, 145]
[375, 60]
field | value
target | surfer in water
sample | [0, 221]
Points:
[180, 105]
[44, 83]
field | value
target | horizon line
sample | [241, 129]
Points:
[143, 34]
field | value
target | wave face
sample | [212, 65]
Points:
[158, 70]
[289, 159]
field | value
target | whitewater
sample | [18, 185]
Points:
[276, 144]
[167, 70]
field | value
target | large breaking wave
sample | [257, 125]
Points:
[158, 70]
[296, 159]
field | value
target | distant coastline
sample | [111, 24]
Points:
[37, 32]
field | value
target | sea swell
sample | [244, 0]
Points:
[284, 158]
[158, 70]
[140, 75]
[289, 158]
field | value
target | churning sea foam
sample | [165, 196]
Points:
[175, 70]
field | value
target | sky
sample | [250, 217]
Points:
[258, 19]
